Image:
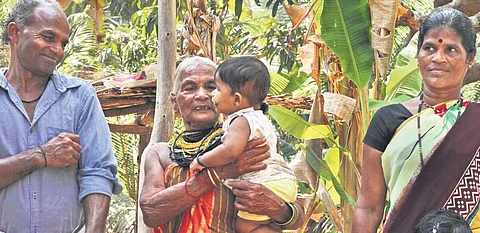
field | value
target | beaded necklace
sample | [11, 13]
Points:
[189, 144]
[460, 101]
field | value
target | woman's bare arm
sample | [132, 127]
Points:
[156, 200]
[371, 203]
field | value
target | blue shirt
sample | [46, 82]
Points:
[49, 199]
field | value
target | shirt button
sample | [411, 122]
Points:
[34, 196]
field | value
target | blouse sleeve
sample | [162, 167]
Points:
[384, 124]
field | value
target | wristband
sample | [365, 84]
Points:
[200, 163]
[44, 155]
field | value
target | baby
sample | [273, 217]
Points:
[242, 86]
[442, 221]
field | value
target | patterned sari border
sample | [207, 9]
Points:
[466, 195]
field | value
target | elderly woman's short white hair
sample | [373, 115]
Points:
[190, 62]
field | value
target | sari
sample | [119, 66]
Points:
[449, 175]
[214, 211]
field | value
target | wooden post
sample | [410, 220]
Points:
[167, 57]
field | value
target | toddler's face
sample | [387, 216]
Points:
[223, 98]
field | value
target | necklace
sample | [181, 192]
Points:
[187, 145]
[440, 112]
[31, 101]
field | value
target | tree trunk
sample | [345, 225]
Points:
[167, 57]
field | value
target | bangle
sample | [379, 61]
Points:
[211, 178]
[200, 180]
[292, 219]
[200, 163]
[216, 175]
[44, 155]
[188, 193]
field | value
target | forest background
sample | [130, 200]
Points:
[348, 57]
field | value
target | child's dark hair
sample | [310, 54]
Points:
[247, 76]
[442, 221]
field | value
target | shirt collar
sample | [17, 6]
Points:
[60, 82]
[3, 79]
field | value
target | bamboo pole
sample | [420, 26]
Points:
[163, 120]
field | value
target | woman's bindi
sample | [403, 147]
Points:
[440, 40]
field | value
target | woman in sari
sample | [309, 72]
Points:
[425, 152]
[175, 200]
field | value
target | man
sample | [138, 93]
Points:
[57, 169]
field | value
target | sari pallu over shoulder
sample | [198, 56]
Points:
[449, 178]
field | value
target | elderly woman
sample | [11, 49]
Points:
[175, 200]
[425, 151]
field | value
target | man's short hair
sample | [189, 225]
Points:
[22, 13]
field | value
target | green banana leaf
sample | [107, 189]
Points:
[297, 127]
[401, 74]
[296, 79]
[346, 30]
[322, 168]
[374, 105]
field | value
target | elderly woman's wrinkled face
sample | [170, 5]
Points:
[442, 60]
[194, 98]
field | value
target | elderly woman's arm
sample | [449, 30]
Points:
[160, 204]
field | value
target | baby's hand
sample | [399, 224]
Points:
[195, 167]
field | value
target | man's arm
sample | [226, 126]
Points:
[95, 209]
[370, 204]
[15, 167]
[61, 151]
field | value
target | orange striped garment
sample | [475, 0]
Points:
[214, 212]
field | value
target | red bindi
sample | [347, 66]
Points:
[440, 40]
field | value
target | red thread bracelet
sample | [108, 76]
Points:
[186, 190]
[202, 181]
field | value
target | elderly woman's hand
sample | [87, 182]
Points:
[257, 199]
[250, 161]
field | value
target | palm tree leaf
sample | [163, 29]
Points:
[238, 7]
